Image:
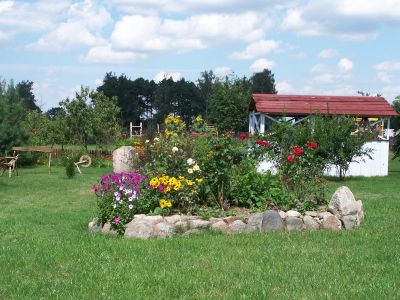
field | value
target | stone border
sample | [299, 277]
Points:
[344, 212]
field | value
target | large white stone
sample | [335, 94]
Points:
[343, 203]
[123, 159]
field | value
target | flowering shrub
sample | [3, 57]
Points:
[173, 126]
[300, 173]
[117, 195]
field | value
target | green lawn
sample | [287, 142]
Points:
[47, 252]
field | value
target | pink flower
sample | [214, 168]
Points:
[117, 220]
[290, 158]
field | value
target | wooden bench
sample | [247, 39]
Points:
[10, 163]
[43, 149]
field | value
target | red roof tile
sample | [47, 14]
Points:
[301, 105]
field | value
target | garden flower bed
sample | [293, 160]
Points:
[179, 177]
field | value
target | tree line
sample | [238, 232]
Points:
[98, 116]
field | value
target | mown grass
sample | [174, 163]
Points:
[47, 252]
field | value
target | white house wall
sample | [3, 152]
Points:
[377, 166]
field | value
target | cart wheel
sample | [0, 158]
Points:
[86, 161]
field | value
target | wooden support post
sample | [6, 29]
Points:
[50, 163]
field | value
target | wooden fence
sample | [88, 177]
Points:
[103, 154]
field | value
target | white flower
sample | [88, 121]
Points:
[130, 206]
[196, 168]
[116, 194]
[175, 149]
[127, 191]
[147, 141]
[190, 171]
[121, 187]
[115, 206]
[190, 161]
[156, 139]
[130, 199]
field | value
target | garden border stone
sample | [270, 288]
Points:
[349, 217]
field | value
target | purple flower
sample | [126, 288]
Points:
[161, 187]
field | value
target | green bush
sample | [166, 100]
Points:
[70, 168]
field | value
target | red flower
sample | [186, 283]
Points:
[243, 136]
[297, 151]
[312, 145]
[290, 158]
[195, 134]
[262, 143]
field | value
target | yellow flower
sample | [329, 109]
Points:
[181, 178]
[169, 204]
[163, 203]
[189, 182]
[198, 119]
[172, 181]
[164, 179]
[154, 182]
[167, 189]
[199, 180]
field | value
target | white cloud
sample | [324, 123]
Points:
[284, 87]
[82, 28]
[345, 65]
[98, 82]
[175, 76]
[105, 54]
[388, 66]
[222, 71]
[384, 77]
[256, 49]
[20, 17]
[346, 19]
[327, 53]
[318, 68]
[390, 92]
[261, 64]
[171, 6]
[195, 32]
[6, 6]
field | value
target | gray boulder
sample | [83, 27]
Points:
[220, 225]
[237, 226]
[293, 224]
[124, 159]
[310, 223]
[271, 221]
[199, 224]
[163, 230]
[331, 222]
[140, 230]
[255, 221]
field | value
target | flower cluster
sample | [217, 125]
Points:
[174, 125]
[298, 151]
[116, 195]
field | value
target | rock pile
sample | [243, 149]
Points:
[344, 212]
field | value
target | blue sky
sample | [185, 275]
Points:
[312, 46]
